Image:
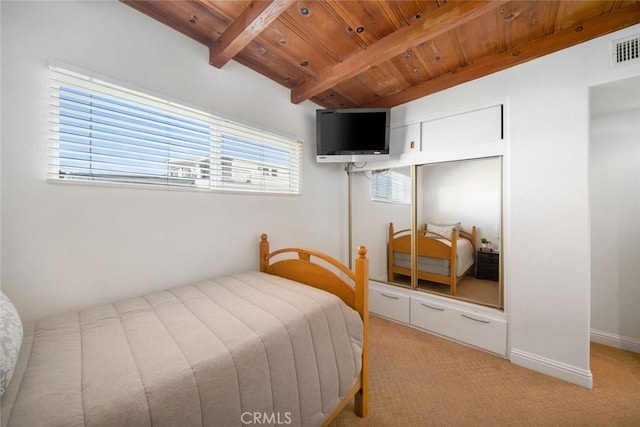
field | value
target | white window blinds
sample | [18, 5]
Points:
[102, 132]
[390, 186]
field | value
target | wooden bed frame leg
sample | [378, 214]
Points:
[362, 306]
[361, 403]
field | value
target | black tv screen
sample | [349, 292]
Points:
[350, 133]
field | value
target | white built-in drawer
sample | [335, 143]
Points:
[480, 327]
[484, 331]
[430, 315]
[388, 302]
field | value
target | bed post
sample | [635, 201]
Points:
[390, 254]
[362, 307]
[453, 273]
[473, 238]
[264, 252]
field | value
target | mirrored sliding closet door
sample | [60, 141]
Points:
[434, 228]
[459, 221]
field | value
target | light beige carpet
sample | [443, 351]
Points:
[418, 379]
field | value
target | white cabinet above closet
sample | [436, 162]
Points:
[468, 128]
[473, 133]
[404, 139]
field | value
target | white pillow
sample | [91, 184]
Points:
[10, 340]
[441, 230]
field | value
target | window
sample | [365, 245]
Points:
[102, 132]
[390, 186]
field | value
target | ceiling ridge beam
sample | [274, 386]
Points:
[587, 30]
[251, 22]
[443, 20]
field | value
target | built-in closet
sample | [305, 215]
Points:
[447, 173]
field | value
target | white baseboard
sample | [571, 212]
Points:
[617, 341]
[572, 374]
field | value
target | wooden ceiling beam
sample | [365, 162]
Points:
[587, 30]
[443, 20]
[253, 20]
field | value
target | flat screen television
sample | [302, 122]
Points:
[352, 135]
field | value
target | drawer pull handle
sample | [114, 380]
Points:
[389, 296]
[432, 308]
[475, 320]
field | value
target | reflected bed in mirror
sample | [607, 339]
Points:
[445, 253]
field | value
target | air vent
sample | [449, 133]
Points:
[625, 51]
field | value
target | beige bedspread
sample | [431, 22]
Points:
[217, 353]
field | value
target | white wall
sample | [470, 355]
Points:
[615, 227]
[69, 246]
[546, 224]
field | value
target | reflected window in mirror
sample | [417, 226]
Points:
[392, 186]
[379, 197]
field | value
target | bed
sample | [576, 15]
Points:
[285, 344]
[445, 253]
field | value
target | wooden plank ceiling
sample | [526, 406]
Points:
[380, 53]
